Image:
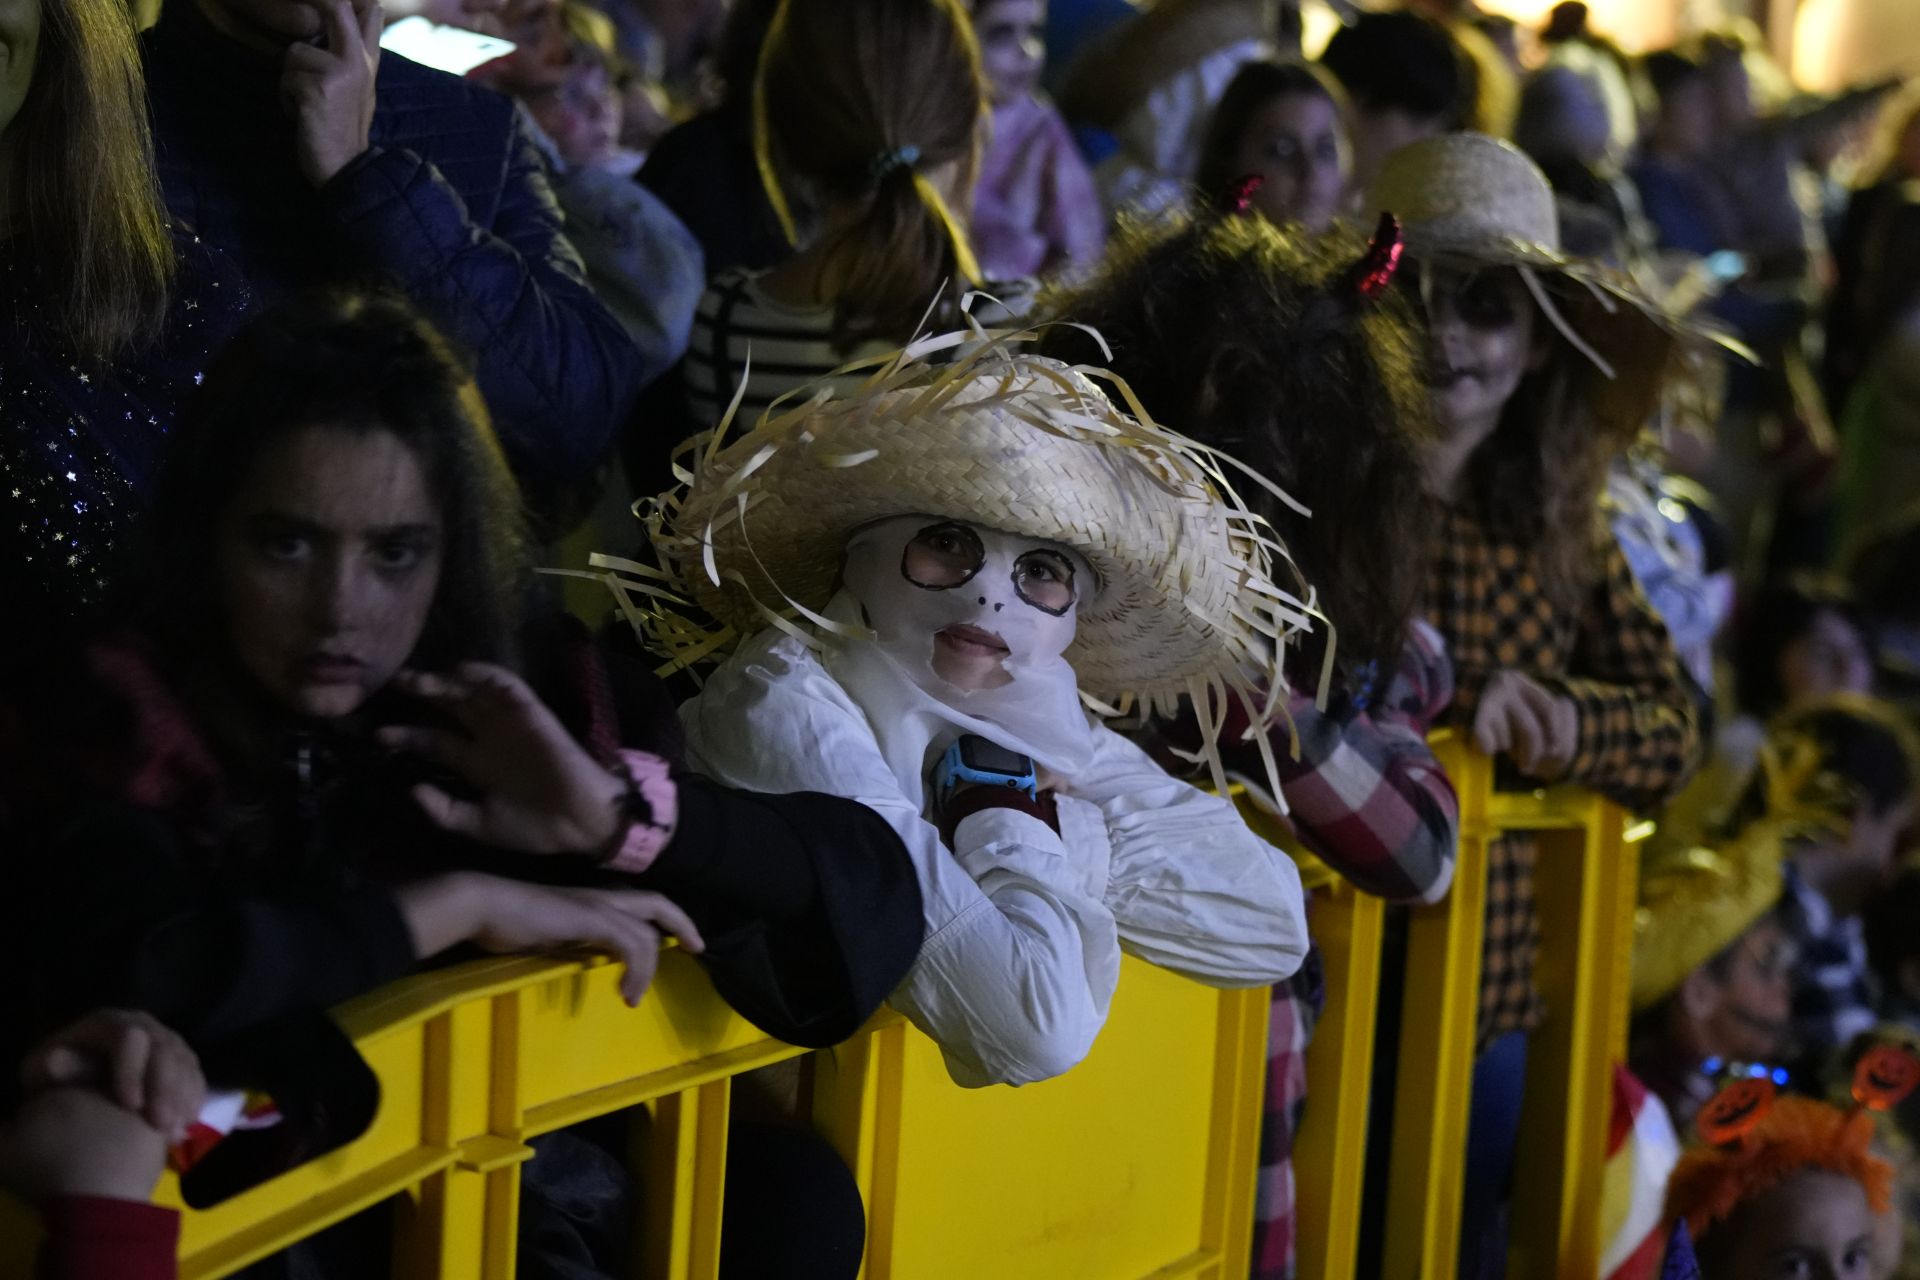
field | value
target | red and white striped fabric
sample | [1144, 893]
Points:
[1642, 1149]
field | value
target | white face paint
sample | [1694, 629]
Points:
[970, 606]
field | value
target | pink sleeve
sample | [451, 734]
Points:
[645, 839]
[1076, 220]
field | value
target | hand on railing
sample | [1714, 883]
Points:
[503, 915]
[1538, 728]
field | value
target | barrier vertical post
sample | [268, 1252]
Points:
[1330, 1151]
[1440, 1011]
[1586, 886]
[686, 1164]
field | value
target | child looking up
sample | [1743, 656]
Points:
[1035, 210]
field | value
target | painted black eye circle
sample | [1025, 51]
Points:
[1044, 579]
[941, 556]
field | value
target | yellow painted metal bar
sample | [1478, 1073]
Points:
[1330, 1151]
[1434, 1082]
[1585, 887]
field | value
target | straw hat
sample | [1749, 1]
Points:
[1697, 902]
[1468, 201]
[1185, 602]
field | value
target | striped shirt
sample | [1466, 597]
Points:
[739, 328]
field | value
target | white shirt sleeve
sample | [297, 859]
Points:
[1190, 887]
[1021, 955]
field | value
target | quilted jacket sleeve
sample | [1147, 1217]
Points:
[558, 371]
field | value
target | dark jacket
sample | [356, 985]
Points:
[144, 871]
[450, 204]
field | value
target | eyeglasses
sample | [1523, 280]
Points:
[943, 556]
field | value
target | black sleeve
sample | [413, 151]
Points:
[109, 912]
[809, 905]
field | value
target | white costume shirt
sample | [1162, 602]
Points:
[1024, 927]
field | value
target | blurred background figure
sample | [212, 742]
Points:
[1285, 124]
[1035, 211]
[1406, 78]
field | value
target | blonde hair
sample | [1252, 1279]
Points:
[81, 191]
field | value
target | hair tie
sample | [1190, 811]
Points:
[887, 161]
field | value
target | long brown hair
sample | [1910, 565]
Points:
[81, 190]
[1255, 340]
[1537, 480]
[859, 100]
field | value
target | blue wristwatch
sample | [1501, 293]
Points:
[972, 760]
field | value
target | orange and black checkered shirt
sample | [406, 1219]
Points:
[1613, 658]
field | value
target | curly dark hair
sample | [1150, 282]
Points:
[1252, 339]
[358, 362]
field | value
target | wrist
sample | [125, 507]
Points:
[967, 801]
[443, 911]
[603, 816]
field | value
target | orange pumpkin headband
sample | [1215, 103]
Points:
[1755, 1138]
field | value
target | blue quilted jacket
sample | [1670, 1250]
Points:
[450, 204]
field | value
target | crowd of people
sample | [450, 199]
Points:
[1039, 416]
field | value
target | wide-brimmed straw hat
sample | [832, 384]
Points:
[1468, 201]
[1186, 601]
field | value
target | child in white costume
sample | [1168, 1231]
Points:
[974, 545]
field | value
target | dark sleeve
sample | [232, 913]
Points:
[90, 1237]
[110, 915]
[808, 903]
[558, 371]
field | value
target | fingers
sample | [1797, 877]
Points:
[461, 817]
[1491, 732]
[1557, 739]
[342, 29]
[175, 1088]
[1528, 737]
[128, 1069]
[461, 754]
[663, 913]
[373, 21]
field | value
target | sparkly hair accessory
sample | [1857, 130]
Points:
[1240, 194]
[887, 161]
[1374, 272]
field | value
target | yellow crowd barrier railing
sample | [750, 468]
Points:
[1139, 1162]
[1585, 886]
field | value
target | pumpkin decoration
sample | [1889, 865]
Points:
[1734, 1112]
[1884, 1076]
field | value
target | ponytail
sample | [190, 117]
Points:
[859, 99]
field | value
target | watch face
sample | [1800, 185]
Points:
[988, 757]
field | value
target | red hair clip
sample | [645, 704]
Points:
[1374, 272]
[1240, 194]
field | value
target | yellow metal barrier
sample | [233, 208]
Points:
[1585, 886]
[1140, 1162]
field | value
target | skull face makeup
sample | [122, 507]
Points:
[969, 606]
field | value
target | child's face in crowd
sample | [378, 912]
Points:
[1829, 657]
[975, 601]
[581, 114]
[1013, 47]
[1297, 145]
[1814, 1225]
[1742, 1012]
[1481, 339]
[329, 557]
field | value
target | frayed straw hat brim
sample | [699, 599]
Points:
[1186, 605]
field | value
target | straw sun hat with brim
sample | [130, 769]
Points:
[1185, 603]
[1466, 202]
